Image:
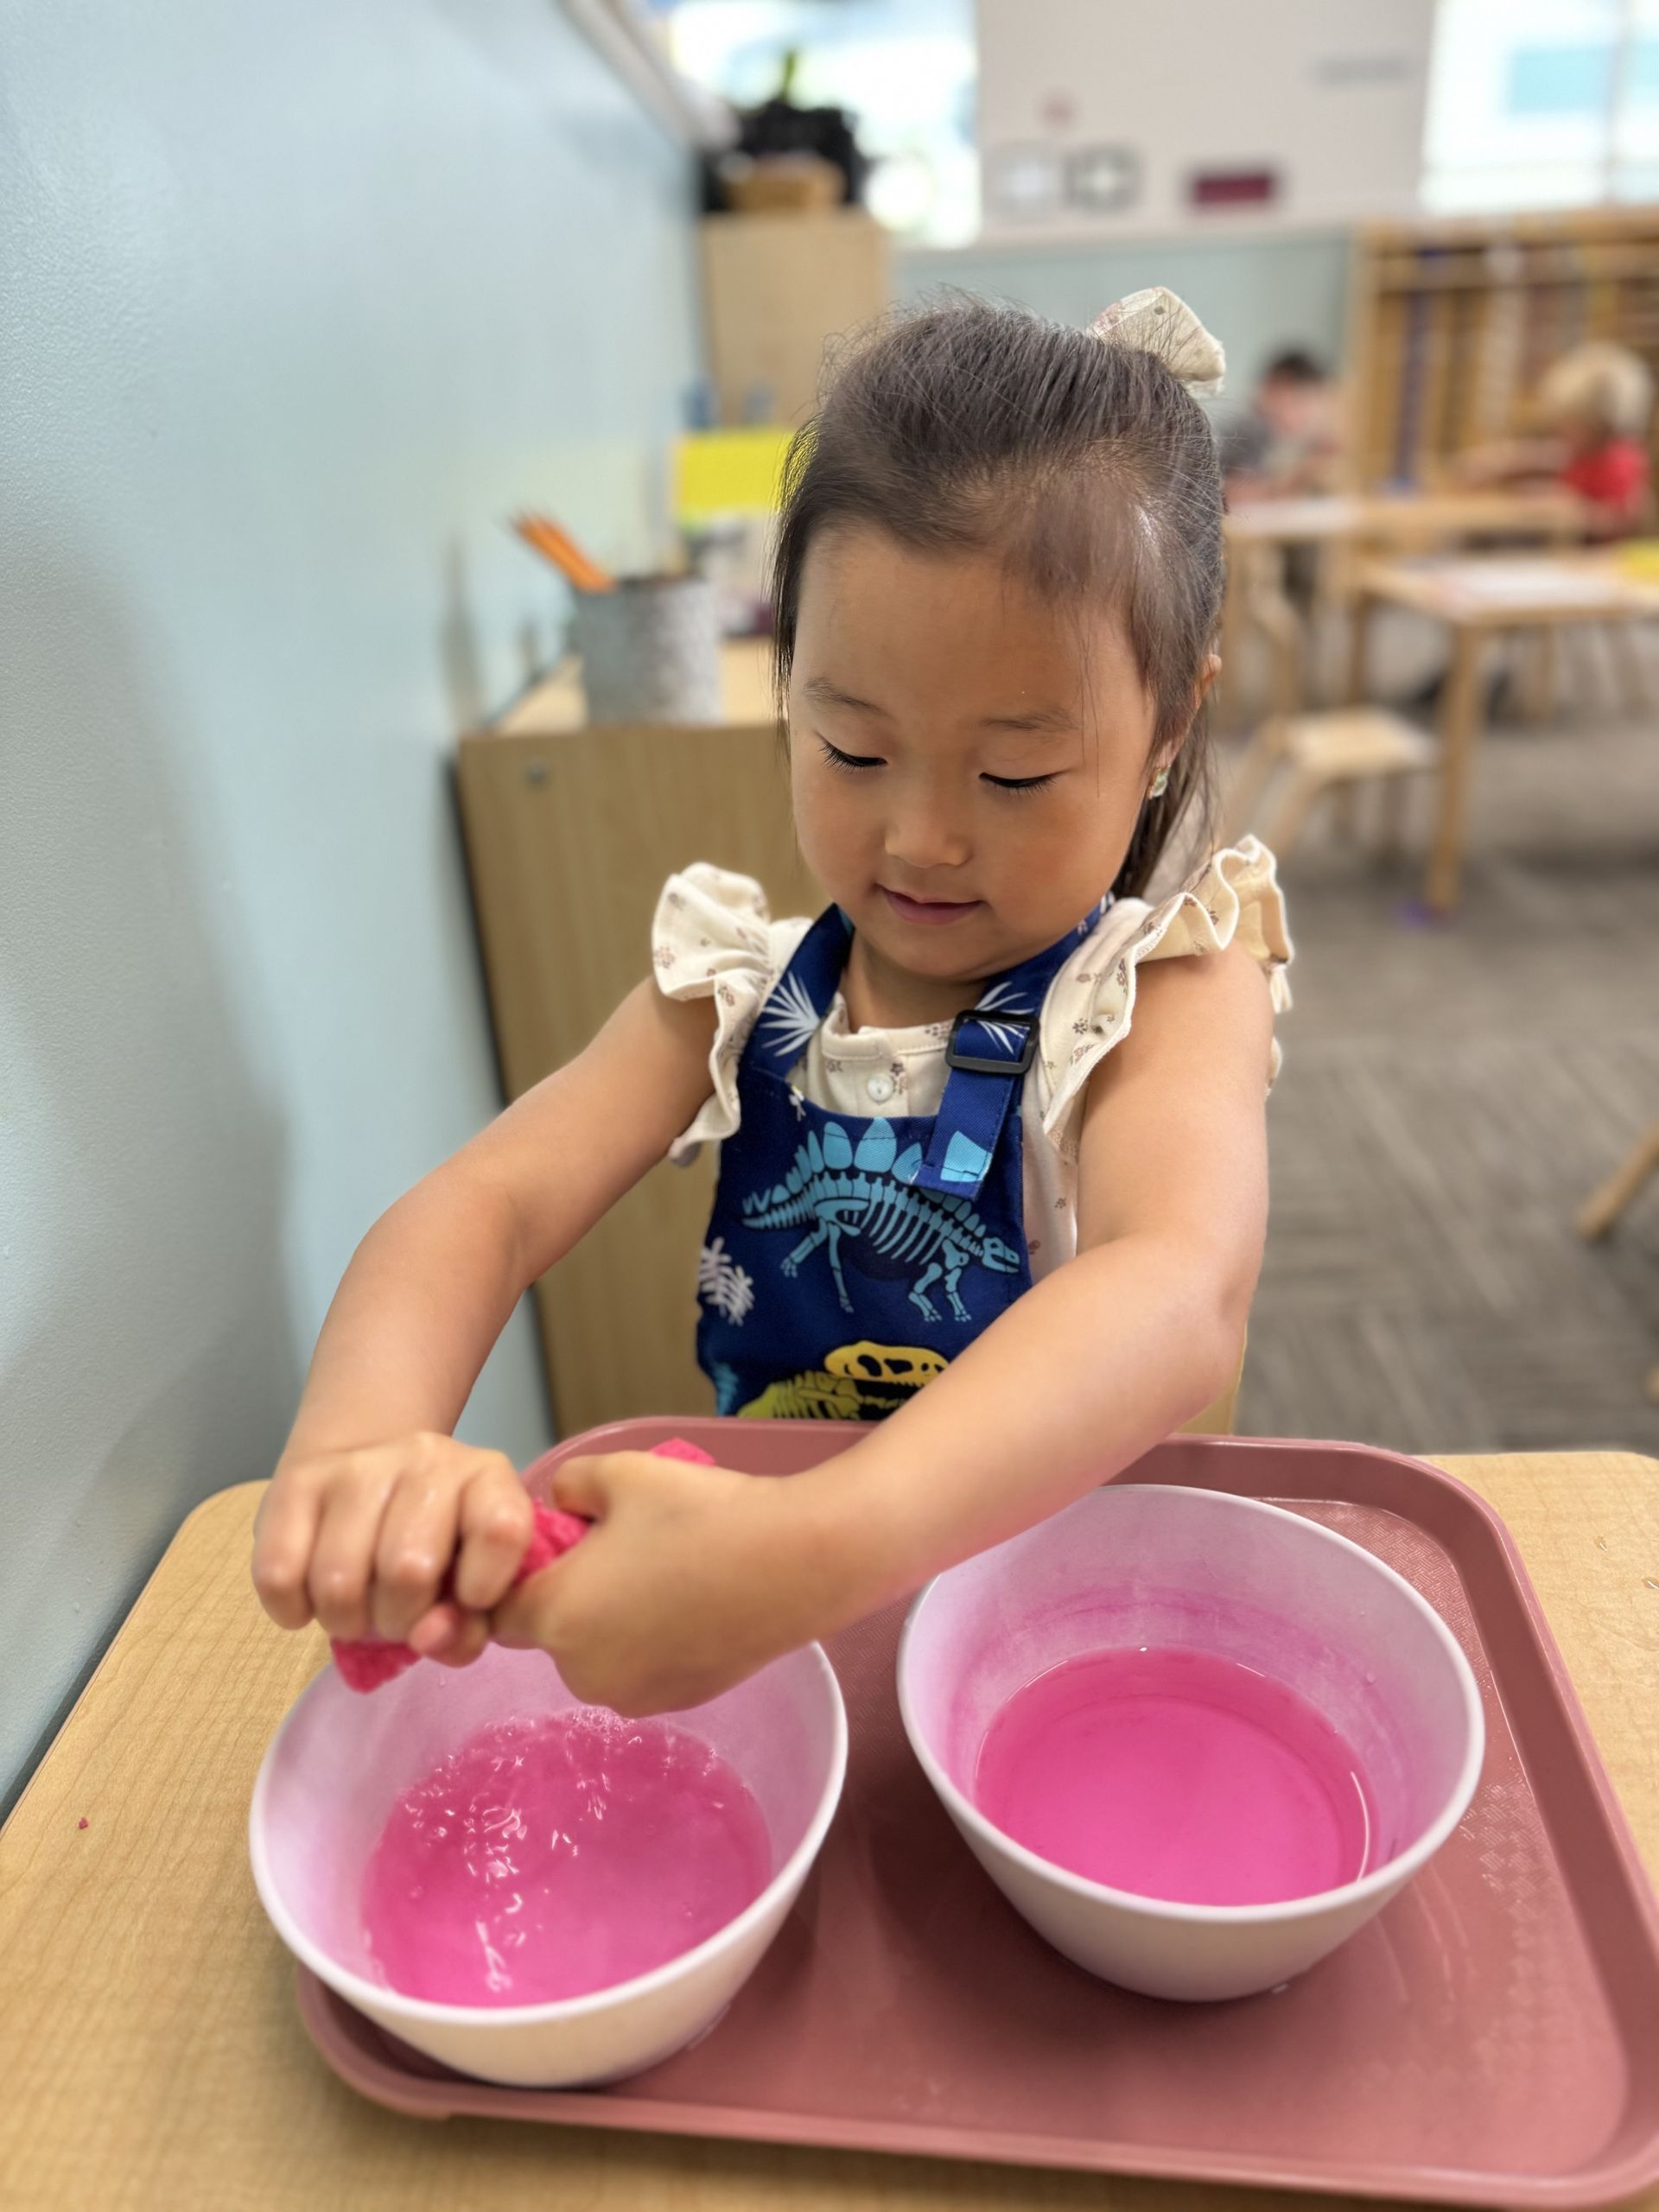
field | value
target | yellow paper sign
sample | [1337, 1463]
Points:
[727, 473]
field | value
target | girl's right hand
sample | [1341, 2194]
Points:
[363, 1541]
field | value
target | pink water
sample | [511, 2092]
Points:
[549, 1857]
[1174, 1774]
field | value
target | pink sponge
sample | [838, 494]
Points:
[364, 1662]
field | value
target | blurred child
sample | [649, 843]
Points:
[1595, 403]
[1289, 444]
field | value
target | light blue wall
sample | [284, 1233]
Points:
[1258, 293]
[296, 301]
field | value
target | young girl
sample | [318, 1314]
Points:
[991, 1128]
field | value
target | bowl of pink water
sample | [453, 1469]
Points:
[535, 1891]
[1195, 1739]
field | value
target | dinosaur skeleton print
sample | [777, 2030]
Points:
[847, 1262]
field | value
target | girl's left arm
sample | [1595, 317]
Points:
[697, 1577]
[1146, 1326]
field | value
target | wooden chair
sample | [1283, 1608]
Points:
[1309, 756]
[1601, 1209]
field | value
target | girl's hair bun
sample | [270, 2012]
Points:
[1155, 321]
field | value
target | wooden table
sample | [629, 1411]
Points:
[150, 2054]
[1404, 518]
[1344, 527]
[1477, 600]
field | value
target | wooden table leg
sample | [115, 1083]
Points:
[1229, 699]
[1341, 573]
[1391, 801]
[1358, 646]
[1324, 608]
[1460, 719]
[1622, 643]
[1538, 686]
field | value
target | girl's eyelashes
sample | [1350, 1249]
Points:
[1022, 786]
[850, 761]
[855, 763]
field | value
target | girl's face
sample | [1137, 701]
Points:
[968, 762]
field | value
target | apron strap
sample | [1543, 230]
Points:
[992, 1044]
[987, 1060]
[991, 1047]
[799, 1000]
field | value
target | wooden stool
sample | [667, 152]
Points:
[1335, 751]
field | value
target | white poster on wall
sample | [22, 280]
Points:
[1098, 118]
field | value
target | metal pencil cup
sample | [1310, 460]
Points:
[649, 651]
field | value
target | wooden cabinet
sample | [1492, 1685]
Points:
[775, 290]
[571, 833]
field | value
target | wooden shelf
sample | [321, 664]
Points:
[1452, 323]
[1474, 273]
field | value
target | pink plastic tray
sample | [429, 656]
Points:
[1491, 2039]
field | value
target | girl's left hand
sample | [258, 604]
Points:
[692, 1578]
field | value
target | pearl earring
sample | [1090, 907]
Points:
[1159, 784]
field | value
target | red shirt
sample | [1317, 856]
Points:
[1613, 477]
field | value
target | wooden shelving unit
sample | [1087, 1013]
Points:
[1451, 325]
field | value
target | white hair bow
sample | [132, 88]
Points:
[1157, 323]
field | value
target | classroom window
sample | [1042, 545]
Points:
[1560, 79]
[1542, 103]
[906, 71]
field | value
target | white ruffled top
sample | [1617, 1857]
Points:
[714, 936]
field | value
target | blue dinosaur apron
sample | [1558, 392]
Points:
[849, 1260]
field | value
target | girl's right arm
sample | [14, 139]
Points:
[373, 1499]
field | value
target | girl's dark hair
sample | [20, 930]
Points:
[1083, 460]
[1295, 365]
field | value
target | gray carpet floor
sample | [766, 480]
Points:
[1451, 1094]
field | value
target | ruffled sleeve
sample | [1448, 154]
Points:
[713, 937]
[1091, 1006]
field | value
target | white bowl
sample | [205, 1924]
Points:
[339, 1761]
[1136, 1565]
